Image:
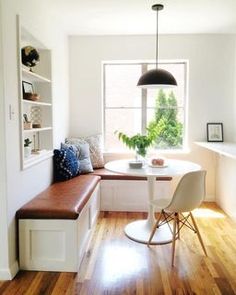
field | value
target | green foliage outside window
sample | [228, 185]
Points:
[169, 129]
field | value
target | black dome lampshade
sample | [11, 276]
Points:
[157, 78]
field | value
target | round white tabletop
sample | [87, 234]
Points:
[171, 168]
[140, 230]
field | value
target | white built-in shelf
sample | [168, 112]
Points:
[38, 103]
[33, 76]
[40, 111]
[36, 158]
[227, 149]
[37, 129]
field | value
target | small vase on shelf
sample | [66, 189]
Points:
[27, 148]
[27, 151]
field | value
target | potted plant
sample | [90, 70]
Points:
[27, 148]
[140, 143]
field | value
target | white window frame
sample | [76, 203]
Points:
[144, 64]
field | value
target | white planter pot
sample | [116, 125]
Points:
[27, 151]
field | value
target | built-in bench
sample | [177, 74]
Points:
[128, 193]
[55, 226]
[108, 175]
[62, 200]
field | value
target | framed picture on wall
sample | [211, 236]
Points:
[215, 132]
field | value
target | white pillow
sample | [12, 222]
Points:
[95, 148]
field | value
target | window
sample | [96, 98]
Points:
[131, 110]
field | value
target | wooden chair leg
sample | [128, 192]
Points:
[173, 239]
[198, 233]
[178, 227]
[154, 228]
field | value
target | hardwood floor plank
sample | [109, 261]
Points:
[46, 283]
[20, 284]
[35, 285]
[4, 286]
[224, 286]
[63, 283]
[115, 265]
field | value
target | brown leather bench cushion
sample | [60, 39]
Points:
[65, 200]
[106, 174]
[62, 200]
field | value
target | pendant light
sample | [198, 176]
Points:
[157, 78]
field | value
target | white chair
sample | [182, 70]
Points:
[188, 195]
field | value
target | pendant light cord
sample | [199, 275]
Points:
[157, 45]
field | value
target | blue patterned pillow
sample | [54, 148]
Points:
[66, 165]
[82, 153]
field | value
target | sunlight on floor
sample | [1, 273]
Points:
[204, 212]
[120, 262]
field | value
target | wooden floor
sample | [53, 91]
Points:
[116, 265]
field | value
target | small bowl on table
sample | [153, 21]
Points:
[157, 162]
[135, 164]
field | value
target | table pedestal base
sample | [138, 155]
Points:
[140, 230]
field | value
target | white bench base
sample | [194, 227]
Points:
[57, 244]
[130, 195]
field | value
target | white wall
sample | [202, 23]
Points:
[3, 186]
[235, 87]
[211, 81]
[211, 74]
[22, 186]
[226, 185]
[226, 168]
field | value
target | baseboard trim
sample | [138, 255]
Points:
[231, 213]
[9, 273]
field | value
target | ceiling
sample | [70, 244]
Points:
[109, 17]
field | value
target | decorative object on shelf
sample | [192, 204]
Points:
[27, 148]
[157, 78]
[215, 132]
[36, 117]
[31, 96]
[26, 122]
[28, 91]
[29, 57]
[27, 87]
[140, 143]
[35, 97]
[36, 149]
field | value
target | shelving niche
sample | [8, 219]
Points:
[40, 78]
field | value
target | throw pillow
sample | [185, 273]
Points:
[82, 153]
[66, 165]
[95, 148]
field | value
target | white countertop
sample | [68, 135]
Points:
[227, 149]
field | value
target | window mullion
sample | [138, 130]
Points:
[144, 104]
